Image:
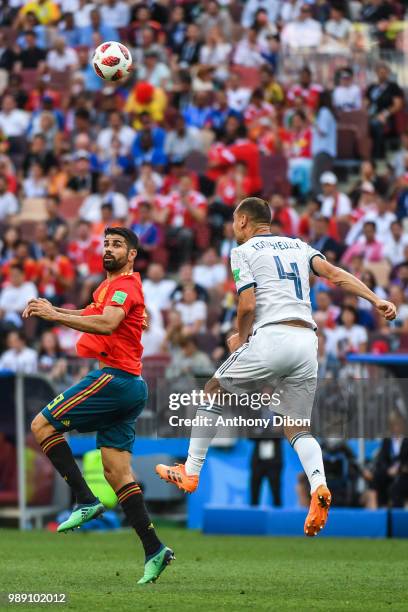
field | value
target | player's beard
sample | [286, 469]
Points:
[113, 265]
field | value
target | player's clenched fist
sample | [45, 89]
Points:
[387, 309]
[39, 307]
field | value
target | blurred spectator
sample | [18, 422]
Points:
[154, 71]
[148, 147]
[305, 90]
[248, 50]
[266, 462]
[216, 53]
[116, 13]
[237, 95]
[210, 272]
[38, 154]
[91, 208]
[8, 201]
[326, 312]
[181, 140]
[347, 95]
[51, 359]
[32, 57]
[321, 239]
[348, 337]
[13, 121]
[192, 310]
[388, 478]
[85, 252]
[304, 33]
[395, 244]
[20, 255]
[144, 98]
[367, 245]
[188, 361]
[103, 31]
[36, 183]
[18, 357]
[56, 273]
[154, 338]
[186, 277]
[215, 17]
[335, 204]
[283, 213]
[384, 98]
[251, 7]
[148, 233]
[61, 58]
[190, 49]
[15, 295]
[156, 288]
[298, 151]
[324, 139]
[117, 129]
[337, 29]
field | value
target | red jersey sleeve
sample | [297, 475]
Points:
[125, 292]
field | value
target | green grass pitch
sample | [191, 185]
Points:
[98, 571]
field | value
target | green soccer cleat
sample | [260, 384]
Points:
[82, 513]
[155, 565]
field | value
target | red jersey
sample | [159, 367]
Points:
[30, 267]
[310, 95]
[87, 255]
[247, 151]
[300, 143]
[180, 216]
[123, 348]
[49, 285]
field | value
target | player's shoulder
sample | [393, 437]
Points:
[128, 280]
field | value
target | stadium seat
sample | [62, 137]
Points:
[274, 172]
[70, 206]
[359, 121]
[29, 78]
[197, 162]
[61, 81]
[32, 209]
[249, 76]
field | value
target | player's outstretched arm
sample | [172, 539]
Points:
[27, 310]
[103, 324]
[350, 283]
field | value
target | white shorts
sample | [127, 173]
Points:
[282, 357]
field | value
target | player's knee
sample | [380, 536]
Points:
[38, 426]
[114, 474]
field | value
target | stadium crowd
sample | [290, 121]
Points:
[287, 99]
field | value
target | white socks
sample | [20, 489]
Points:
[310, 455]
[200, 439]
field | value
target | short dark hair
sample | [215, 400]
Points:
[131, 239]
[17, 266]
[257, 210]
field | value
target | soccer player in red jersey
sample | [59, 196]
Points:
[108, 399]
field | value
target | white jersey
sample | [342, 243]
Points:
[278, 268]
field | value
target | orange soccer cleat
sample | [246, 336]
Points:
[176, 474]
[318, 511]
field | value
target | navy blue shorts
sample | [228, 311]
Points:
[107, 401]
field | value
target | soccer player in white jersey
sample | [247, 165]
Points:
[276, 341]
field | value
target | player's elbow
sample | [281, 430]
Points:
[336, 275]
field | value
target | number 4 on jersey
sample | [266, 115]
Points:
[293, 276]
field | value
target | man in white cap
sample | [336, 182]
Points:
[335, 204]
